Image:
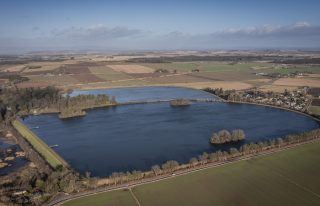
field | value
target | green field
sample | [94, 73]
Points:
[49, 155]
[208, 66]
[287, 178]
[114, 198]
[314, 110]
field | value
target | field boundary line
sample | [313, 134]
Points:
[134, 197]
[297, 184]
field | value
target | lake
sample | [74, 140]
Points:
[137, 136]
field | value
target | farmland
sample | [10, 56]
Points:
[278, 179]
[271, 180]
[314, 110]
[116, 198]
[232, 71]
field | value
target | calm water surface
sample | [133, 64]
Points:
[138, 136]
[136, 94]
[16, 163]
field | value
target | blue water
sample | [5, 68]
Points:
[136, 94]
[138, 136]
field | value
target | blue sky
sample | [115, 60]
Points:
[167, 24]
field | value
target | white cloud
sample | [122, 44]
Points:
[300, 34]
[97, 32]
[300, 29]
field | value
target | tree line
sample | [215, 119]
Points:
[224, 136]
[24, 101]
[215, 157]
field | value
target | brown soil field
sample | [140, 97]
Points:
[203, 77]
[313, 75]
[32, 84]
[315, 102]
[105, 85]
[113, 77]
[109, 74]
[102, 70]
[228, 75]
[53, 80]
[17, 68]
[43, 67]
[77, 69]
[3, 81]
[87, 78]
[277, 88]
[260, 80]
[131, 68]
[146, 75]
[296, 82]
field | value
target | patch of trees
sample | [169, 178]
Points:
[224, 136]
[74, 106]
[224, 94]
[39, 187]
[14, 101]
[229, 95]
[26, 101]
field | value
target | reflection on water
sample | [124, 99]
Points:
[138, 136]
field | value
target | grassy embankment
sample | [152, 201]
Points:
[289, 177]
[41, 147]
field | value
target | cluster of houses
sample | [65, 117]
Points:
[280, 75]
[296, 100]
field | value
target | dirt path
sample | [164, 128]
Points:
[297, 184]
[134, 197]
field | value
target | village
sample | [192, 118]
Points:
[298, 100]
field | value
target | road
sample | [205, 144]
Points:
[62, 199]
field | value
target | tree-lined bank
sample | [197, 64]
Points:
[16, 102]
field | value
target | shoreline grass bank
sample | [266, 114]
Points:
[53, 159]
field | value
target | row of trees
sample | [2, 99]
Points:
[121, 177]
[215, 157]
[224, 136]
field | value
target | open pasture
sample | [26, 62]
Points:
[278, 179]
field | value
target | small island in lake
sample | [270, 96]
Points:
[69, 113]
[180, 102]
[224, 136]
